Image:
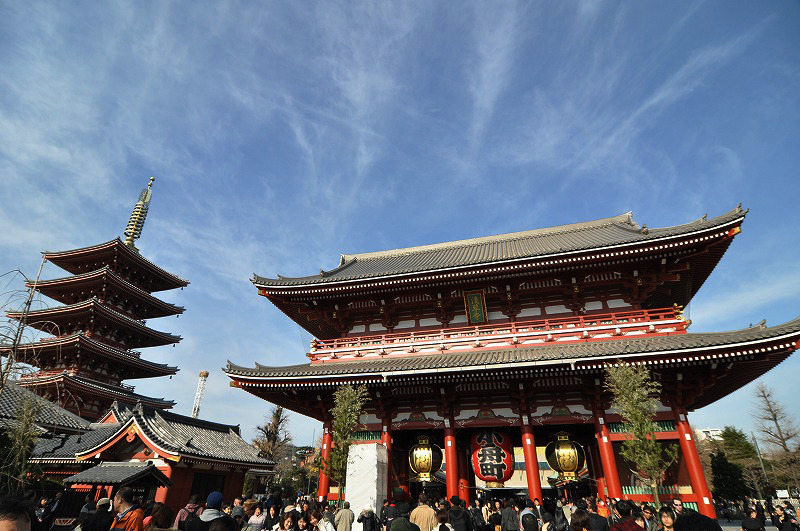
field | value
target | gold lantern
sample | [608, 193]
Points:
[425, 458]
[565, 457]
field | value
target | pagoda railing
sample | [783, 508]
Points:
[635, 322]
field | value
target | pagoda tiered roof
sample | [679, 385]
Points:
[105, 284]
[559, 245]
[81, 386]
[124, 260]
[73, 318]
[73, 345]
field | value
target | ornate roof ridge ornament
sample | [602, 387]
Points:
[133, 230]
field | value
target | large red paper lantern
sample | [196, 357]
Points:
[492, 457]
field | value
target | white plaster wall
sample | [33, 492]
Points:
[367, 477]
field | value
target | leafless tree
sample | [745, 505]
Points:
[778, 430]
[274, 437]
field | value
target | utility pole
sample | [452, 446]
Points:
[11, 359]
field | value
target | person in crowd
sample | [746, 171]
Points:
[15, 515]
[329, 513]
[458, 515]
[649, 515]
[423, 516]
[568, 506]
[212, 511]
[343, 519]
[486, 511]
[101, 519]
[402, 523]
[389, 514]
[580, 521]
[529, 522]
[256, 522]
[238, 501]
[289, 521]
[129, 516]
[476, 517]
[368, 520]
[750, 522]
[547, 521]
[271, 520]
[623, 510]
[496, 517]
[188, 513]
[223, 524]
[596, 522]
[680, 509]
[441, 521]
[666, 518]
[302, 523]
[149, 516]
[783, 519]
[694, 521]
[318, 523]
[509, 520]
[161, 518]
[88, 504]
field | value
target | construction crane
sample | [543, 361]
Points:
[198, 396]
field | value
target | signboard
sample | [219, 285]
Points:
[475, 305]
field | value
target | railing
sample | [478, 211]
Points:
[661, 425]
[673, 490]
[519, 332]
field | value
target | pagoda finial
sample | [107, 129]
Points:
[133, 230]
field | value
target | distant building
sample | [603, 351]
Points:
[711, 434]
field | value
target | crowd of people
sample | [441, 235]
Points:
[125, 512]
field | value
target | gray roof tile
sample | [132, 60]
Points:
[587, 235]
[50, 415]
[121, 474]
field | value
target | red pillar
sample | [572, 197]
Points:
[451, 456]
[607, 456]
[324, 481]
[386, 440]
[597, 470]
[161, 492]
[696, 475]
[463, 481]
[531, 462]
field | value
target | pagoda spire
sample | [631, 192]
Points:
[133, 230]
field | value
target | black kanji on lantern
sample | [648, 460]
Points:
[491, 457]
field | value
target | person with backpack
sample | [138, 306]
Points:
[212, 512]
[459, 517]
[476, 517]
[191, 511]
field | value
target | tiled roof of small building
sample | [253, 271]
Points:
[50, 416]
[120, 474]
[67, 447]
[597, 234]
[186, 436]
[476, 359]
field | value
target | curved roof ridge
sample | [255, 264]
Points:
[625, 218]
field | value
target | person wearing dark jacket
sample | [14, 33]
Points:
[751, 522]
[509, 518]
[624, 511]
[597, 522]
[401, 522]
[694, 521]
[459, 518]
[782, 519]
[389, 514]
[368, 520]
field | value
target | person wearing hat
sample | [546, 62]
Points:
[212, 511]
[101, 519]
[402, 523]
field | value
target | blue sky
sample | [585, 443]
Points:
[282, 134]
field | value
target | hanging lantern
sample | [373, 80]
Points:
[492, 457]
[565, 457]
[425, 458]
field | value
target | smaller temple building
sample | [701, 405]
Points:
[196, 456]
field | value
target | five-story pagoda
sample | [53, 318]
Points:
[101, 320]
